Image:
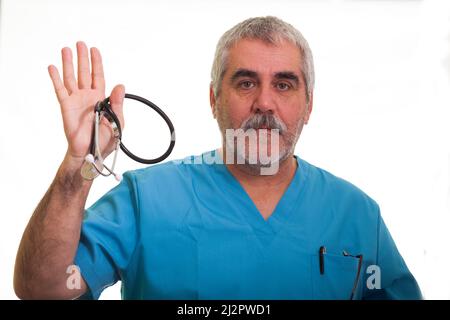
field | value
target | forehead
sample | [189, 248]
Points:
[264, 58]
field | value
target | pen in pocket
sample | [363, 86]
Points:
[322, 251]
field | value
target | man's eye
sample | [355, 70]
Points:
[246, 84]
[283, 86]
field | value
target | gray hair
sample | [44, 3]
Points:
[270, 30]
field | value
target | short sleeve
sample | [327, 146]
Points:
[397, 282]
[108, 237]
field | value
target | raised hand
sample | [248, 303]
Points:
[78, 98]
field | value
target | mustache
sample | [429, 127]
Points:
[266, 120]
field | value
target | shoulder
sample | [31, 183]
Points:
[169, 173]
[341, 191]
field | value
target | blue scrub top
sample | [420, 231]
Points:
[188, 230]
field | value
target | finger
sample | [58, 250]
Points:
[84, 74]
[98, 77]
[69, 78]
[116, 100]
[61, 91]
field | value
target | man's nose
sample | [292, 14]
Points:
[264, 100]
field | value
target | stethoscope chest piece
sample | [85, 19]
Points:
[89, 171]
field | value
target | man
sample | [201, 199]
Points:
[214, 226]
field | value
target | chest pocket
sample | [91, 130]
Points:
[338, 279]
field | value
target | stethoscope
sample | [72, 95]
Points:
[93, 164]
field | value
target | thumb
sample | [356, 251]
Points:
[116, 100]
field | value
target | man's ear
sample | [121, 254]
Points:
[212, 100]
[308, 108]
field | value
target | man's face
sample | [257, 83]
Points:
[263, 88]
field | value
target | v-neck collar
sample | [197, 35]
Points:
[264, 230]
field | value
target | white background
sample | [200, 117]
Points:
[380, 117]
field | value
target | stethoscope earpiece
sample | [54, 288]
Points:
[89, 158]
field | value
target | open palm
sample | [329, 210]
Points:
[78, 98]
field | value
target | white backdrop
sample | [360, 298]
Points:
[380, 117]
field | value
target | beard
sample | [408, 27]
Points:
[262, 140]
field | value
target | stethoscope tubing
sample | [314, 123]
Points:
[105, 106]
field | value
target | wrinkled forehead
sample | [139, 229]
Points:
[264, 58]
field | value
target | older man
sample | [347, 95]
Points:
[213, 226]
